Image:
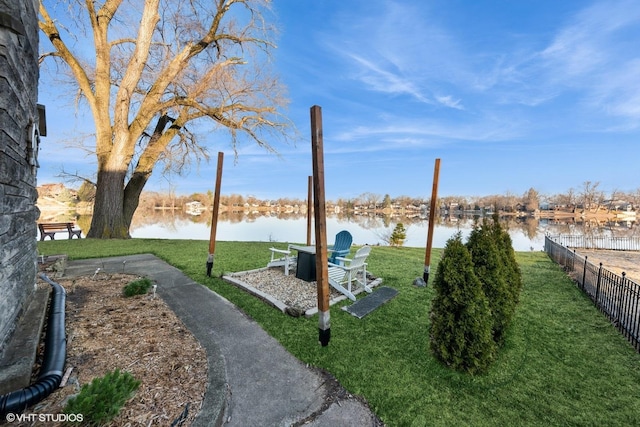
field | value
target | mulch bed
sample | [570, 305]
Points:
[141, 335]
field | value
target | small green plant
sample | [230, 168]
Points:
[398, 236]
[137, 287]
[101, 400]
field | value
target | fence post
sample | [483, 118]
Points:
[573, 260]
[635, 326]
[584, 273]
[619, 286]
[598, 284]
[546, 244]
[625, 300]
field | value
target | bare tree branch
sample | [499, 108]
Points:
[156, 67]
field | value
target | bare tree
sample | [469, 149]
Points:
[531, 200]
[152, 68]
[590, 195]
[634, 196]
[403, 201]
[615, 194]
[509, 202]
[371, 199]
[568, 199]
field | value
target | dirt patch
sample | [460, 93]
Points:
[615, 261]
[140, 335]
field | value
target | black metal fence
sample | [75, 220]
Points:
[616, 296]
[630, 243]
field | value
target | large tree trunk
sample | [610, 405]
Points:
[114, 207]
[116, 202]
[109, 220]
[132, 194]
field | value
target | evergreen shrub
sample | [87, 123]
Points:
[482, 273]
[461, 321]
[137, 287]
[512, 273]
[101, 400]
[490, 268]
[399, 235]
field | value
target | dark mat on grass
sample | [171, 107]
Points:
[366, 305]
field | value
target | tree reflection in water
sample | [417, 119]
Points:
[527, 233]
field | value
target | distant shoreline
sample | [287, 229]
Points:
[601, 215]
[57, 199]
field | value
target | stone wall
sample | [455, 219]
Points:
[18, 120]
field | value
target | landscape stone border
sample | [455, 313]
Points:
[236, 280]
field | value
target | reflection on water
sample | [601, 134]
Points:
[527, 233]
[286, 230]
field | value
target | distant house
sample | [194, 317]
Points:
[21, 125]
[617, 205]
[194, 208]
[50, 190]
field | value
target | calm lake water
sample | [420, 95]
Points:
[526, 234]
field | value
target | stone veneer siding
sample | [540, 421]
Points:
[18, 113]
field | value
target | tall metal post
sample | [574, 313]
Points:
[214, 216]
[432, 220]
[322, 273]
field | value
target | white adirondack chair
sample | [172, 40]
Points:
[282, 257]
[342, 275]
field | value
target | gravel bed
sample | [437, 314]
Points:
[288, 293]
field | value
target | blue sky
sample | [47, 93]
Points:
[508, 94]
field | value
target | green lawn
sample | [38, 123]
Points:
[562, 364]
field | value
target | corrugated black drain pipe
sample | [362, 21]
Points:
[55, 352]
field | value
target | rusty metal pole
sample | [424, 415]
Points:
[432, 220]
[309, 209]
[322, 273]
[214, 217]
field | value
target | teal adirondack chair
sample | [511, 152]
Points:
[341, 247]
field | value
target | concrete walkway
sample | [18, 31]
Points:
[253, 380]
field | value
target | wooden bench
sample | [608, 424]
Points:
[51, 228]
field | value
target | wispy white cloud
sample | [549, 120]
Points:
[596, 55]
[590, 41]
[448, 101]
[395, 48]
[385, 81]
[422, 133]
